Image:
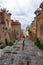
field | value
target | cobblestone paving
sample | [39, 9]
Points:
[16, 56]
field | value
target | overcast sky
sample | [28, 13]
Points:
[22, 10]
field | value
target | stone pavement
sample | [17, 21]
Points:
[16, 56]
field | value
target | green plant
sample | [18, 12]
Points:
[37, 42]
[6, 42]
[10, 43]
[41, 46]
[1, 46]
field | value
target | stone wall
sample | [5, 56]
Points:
[36, 27]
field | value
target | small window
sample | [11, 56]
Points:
[5, 28]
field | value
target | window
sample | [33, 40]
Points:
[4, 28]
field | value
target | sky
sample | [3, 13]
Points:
[22, 10]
